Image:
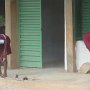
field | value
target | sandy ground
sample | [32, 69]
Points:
[45, 79]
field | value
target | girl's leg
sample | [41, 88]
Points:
[0, 68]
[5, 68]
[0, 71]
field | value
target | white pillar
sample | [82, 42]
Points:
[70, 63]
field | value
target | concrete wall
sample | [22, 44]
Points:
[12, 31]
[53, 31]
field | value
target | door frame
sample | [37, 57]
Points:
[70, 61]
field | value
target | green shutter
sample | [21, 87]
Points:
[77, 23]
[85, 16]
[81, 18]
[30, 36]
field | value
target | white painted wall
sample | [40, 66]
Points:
[82, 54]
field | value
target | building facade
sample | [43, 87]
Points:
[24, 26]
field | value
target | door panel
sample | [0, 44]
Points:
[30, 36]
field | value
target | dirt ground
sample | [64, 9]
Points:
[45, 79]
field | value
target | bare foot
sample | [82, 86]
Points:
[0, 74]
[4, 75]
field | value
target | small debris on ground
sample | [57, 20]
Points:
[16, 76]
[25, 78]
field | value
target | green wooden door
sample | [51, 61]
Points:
[85, 16]
[30, 36]
[81, 18]
[77, 19]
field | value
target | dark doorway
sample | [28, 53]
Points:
[2, 12]
[53, 32]
[2, 7]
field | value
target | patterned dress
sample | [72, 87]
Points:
[5, 48]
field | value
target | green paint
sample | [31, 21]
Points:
[81, 18]
[77, 19]
[85, 16]
[30, 35]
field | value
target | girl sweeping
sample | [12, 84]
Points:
[5, 50]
